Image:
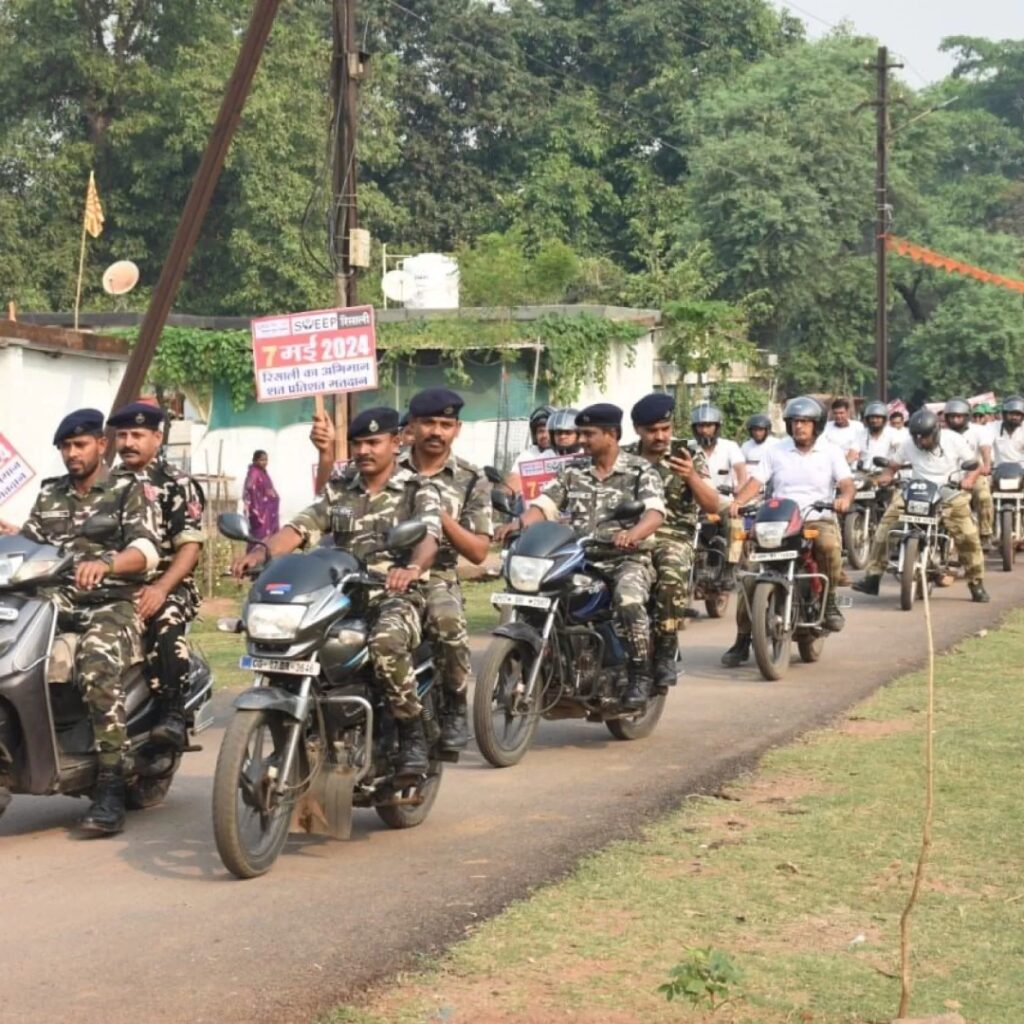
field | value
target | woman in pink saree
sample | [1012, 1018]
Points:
[260, 499]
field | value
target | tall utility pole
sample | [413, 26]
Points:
[883, 217]
[346, 72]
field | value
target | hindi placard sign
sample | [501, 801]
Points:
[15, 472]
[323, 352]
[533, 475]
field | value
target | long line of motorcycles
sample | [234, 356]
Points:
[312, 739]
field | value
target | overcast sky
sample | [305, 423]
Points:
[914, 28]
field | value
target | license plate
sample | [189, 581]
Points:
[865, 495]
[920, 520]
[520, 600]
[1009, 485]
[772, 556]
[282, 665]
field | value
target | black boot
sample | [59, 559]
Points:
[413, 758]
[739, 653]
[833, 620]
[171, 729]
[978, 592]
[455, 731]
[868, 585]
[640, 685]
[665, 671]
[106, 815]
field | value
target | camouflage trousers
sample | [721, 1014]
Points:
[109, 639]
[984, 507]
[633, 580]
[446, 629]
[395, 634]
[672, 560]
[956, 517]
[166, 650]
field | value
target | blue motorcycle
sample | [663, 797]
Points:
[556, 653]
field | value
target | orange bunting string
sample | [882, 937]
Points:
[920, 254]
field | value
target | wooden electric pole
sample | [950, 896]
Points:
[883, 216]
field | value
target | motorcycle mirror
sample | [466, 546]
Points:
[493, 475]
[501, 502]
[100, 527]
[970, 465]
[632, 509]
[233, 525]
[880, 461]
[405, 535]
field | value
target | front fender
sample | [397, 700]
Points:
[776, 579]
[521, 632]
[272, 698]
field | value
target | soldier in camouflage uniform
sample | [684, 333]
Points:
[359, 508]
[468, 527]
[688, 490]
[95, 607]
[587, 492]
[168, 603]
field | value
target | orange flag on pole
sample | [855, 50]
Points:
[93, 209]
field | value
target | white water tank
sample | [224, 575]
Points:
[435, 280]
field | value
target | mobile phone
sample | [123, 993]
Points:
[680, 445]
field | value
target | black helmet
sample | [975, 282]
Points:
[804, 408]
[875, 409]
[957, 407]
[759, 421]
[539, 418]
[1013, 403]
[924, 424]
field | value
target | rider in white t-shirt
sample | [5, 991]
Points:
[842, 431]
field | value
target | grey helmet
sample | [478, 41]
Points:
[875, 409]
[804, 408]
[923, 424]
[759, 421]
[538, 418]
[563, 420]
[1013, 403]
[957, 407]
[707, 413]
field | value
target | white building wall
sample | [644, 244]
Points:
[37, 390]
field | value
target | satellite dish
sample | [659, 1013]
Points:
[120, 278]
[397, 285]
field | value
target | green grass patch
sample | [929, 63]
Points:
[481, 615]
[222, 650]
[798, 878]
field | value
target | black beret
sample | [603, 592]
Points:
[436, 402]
[79, 422]
[653, 409]
[138, 414]
[404, 421]
[381, 419]
[604, 414]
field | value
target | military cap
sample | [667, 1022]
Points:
[137, 414]
[404, 420]
[435, 402]
[653, 409]
[603, 414]
[381, 419]
[78, 423]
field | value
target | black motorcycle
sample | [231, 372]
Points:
[557, 655]
[313, 738]
[710, 555]
[1008, 499]
[860, 522]
[46, 736]
[787, 593]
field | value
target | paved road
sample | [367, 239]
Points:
[148, 926]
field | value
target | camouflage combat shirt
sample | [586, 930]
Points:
[578, 492]
[681, 509]
[180, 502]
[59, 513]
[359, 520]
[466, 497]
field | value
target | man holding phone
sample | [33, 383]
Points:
[688, 489]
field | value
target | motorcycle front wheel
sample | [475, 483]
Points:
[503, 721]
[250, 818]
[857, 537]
[771, 640]
[638, 726]
[1007, 548]
[908, 577]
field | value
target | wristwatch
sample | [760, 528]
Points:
[107, 558]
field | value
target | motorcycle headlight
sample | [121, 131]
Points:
[273, 621]
[35, 568]
[770, 535]
[525, 573]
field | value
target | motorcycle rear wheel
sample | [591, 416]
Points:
[504, 727]
[857, 537]
[1007, 548]
[810, 648]
[411, 815]
[144, 793]
[908, 577]
[639, 726]
[250, 824]
[716, 604]
[771, 649]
